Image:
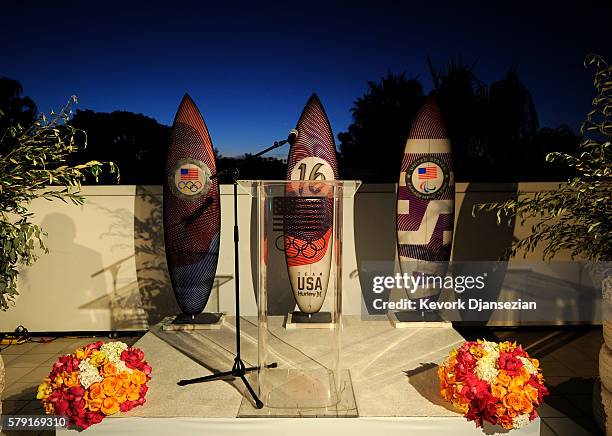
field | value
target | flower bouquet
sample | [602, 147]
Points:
[95, 381]
[494, 382]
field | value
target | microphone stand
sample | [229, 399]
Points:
[239, 369]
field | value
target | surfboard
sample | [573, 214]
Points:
[308, 223]
[425, 199]
[192, 213]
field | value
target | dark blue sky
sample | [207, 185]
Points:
[250, 66]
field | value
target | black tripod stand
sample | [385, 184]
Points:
[239, 369]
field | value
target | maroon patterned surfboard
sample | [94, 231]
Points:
[191, 210]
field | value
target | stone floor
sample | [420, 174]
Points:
[568, 357]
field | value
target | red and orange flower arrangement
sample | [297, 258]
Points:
[95, 381]
[494, 382]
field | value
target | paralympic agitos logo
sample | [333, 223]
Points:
[427, 177]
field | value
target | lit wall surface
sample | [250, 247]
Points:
[106, 268]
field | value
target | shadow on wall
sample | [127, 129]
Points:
[148, 299]
[375, 235]
[157, 297]
[69, 271]
[477, 238]
[480, 238]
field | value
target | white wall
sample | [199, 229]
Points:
[106, 267]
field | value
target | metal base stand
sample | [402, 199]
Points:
[239, 369]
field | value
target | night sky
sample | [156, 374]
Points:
[251, 66]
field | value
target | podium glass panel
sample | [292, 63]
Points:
[299, 298]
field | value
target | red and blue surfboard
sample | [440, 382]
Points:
[308, 225]
[426, 198]
[192, 212]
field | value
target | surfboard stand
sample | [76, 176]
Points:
[201, 321]
[301, 320]
[239, 369]
[416, 319]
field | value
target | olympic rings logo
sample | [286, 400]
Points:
[189, 186]
[294, 247]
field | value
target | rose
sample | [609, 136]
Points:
[516, 384]
[94, 345]
[121, 394]
[125, 377]
[94, 397]
[138, 377]
[526, 405]
[94, 404]
[61, 406]
[83, 353]
[64, 363]
[110, 385]
[498, 391]
[95, 418]
[510, 364]
[503, 378]
[72, 380]
[110, 406]
[107, 369]
[531, 392]
[76, 392]
[133, 392]
[133, 358]
[542, 390]
[96, 391]
[513, 401]
[128, 405]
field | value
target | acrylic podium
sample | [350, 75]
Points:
[299, 297]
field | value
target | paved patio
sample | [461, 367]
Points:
[569, 359]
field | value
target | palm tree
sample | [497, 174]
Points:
[512, 126]
[373, 145]
[463, 101]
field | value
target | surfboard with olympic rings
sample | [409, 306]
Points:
[425, 200]
[192, 213]
[308, 222]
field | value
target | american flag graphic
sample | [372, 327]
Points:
[189, 174]
[428, 173]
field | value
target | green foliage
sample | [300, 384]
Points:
[381, 122]
[33, 158]
[577, 217]
[494, 130]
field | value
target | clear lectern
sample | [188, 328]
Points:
[299, 297]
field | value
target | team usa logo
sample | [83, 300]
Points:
[190, 179]
[306, 212]
[426, 177]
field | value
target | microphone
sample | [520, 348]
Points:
[293, 135]
[291, 138]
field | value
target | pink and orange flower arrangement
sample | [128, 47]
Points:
[95, 381]
[494, 382]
